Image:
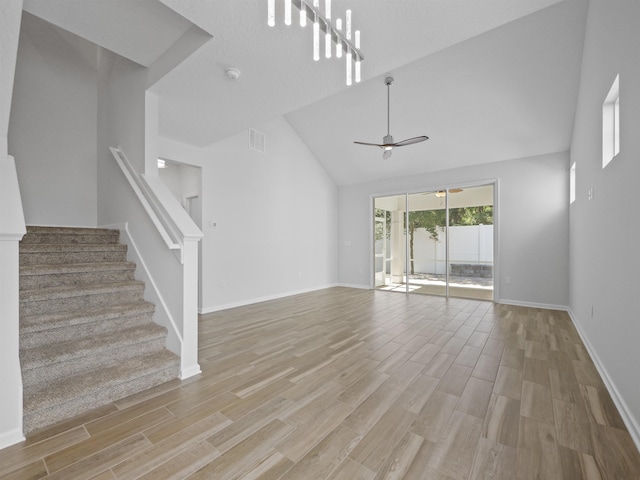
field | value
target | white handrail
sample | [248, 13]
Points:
[165, 226]
[171, 220]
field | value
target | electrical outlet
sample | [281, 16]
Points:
[507, 280]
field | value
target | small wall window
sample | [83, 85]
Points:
[572, 183]
[611, 123]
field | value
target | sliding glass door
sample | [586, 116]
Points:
[427, 243]
[436, 242]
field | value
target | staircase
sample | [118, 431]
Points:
[87, 337]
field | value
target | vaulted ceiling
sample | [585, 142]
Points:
[486, 80]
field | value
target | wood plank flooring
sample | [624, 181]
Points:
[357, 384]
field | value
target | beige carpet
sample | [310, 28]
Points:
[87, 336]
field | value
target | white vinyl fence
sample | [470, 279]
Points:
[469, 246]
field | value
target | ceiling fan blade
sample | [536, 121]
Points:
[411, 141]
[371, 144]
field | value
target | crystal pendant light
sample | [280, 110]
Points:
[339, 42]
[357, 66]
[349, 54]
[271, 13]
[303, 15]
[287, 12]
[333, 32]
[327, 36]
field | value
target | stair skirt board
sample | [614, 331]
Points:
[87, 336]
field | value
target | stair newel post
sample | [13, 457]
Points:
[12, 229]
[189, 357]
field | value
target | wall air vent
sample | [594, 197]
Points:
[256, 140]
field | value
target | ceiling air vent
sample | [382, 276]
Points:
[256, 140]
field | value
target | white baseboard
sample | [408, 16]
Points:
[251, 301]
[628, 418]
[11, 438]
[546, 306]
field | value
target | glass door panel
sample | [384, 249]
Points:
[427, 243]
[389, 251]
[471, 242]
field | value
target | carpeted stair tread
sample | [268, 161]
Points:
[36, 323]
[69, 268]
[71, 349]
[51, 275]
[52, 293]
[71, 230]
[88, 383]
[38, 235]
[31, 248]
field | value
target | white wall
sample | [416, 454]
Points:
[52, 133]
[275, 213]
[10, 16]
[533, 225]
[605, 264]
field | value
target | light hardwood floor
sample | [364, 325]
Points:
[356, 384]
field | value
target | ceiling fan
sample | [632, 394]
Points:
[387, 141]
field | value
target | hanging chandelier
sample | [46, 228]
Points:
[334, 34]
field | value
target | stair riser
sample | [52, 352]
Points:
[42, 418]
[68, 304]
[93, 360]
[63, 334]
[61, 238]
[30, 282]
[56, 258]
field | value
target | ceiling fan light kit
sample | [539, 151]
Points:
[333, 33]
[387, 141]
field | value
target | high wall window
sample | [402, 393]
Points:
[611, 123]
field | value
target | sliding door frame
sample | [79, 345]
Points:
[495, 182]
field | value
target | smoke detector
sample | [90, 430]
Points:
[232, 73]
